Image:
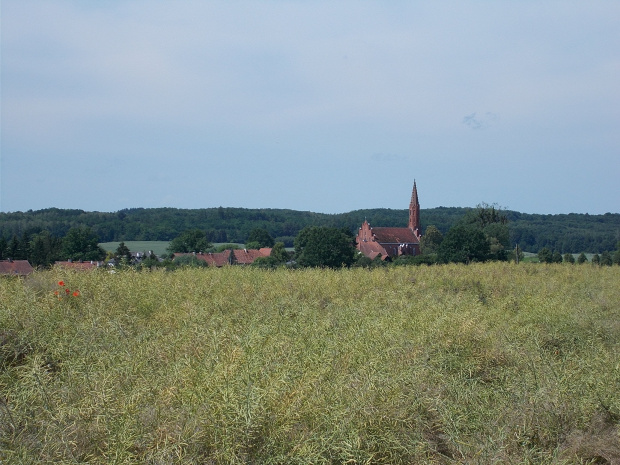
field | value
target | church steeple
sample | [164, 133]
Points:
[414, 211]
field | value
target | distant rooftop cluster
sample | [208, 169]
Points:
[230, 257]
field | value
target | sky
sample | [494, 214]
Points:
[316, 106]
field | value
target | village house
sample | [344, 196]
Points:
[388, 243]
[79, 265]
[230, 257]
[15, 267]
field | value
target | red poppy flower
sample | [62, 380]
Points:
[76, 293]
[67, 291]
[61, 283]
[55, 292]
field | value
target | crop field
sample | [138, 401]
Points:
[489, 363]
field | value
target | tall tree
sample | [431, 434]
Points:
[616, 257]
[279, 253]
[44, 249]
[123, 253]
[464, 244]
[493, 222]
[262, 237]
[606, 259]
[14, 249]
[3, 248]
[431, 240]
[192, 240]
[545, 255]
[81, 243]
[320, 246]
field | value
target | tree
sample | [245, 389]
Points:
[81, 243]
[262, 237]
[222, 247]
[13, 249]
[616, 257]
[596, 259]
[464, 244]
[192, 240]
[44, 249]
[278, 257]
[582, 258]
[493, 222]
[556, 257]
[545, 255]
[24, 247]
[568, 258]
[362, 261]
[606, 259]
[279, 253]
[150, 262]
[266, 262]
[499, 240]
[484, 215]
[123, 252]
[321, 246]
[431, 240]
[3, 247]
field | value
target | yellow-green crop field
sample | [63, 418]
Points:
[489, 363]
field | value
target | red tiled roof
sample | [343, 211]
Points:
[372, 249]
[213, 259]
[15, 267]
[246, 257]
[241, 256]
[395, 235]
[78, 266]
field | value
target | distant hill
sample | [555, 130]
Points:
[572, 233]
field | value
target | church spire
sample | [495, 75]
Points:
[414, 210]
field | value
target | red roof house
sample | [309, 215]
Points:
[247, 256]
[77, 266]
[15, 267]
[230, 257]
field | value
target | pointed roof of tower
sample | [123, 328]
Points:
[414, 194]
[414, 209]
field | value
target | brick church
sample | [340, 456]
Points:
[392, 242]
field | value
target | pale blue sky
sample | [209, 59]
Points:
[310, 105]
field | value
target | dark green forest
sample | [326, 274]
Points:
[565, 233]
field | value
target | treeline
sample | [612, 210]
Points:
[571, 233]
[43, 249]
